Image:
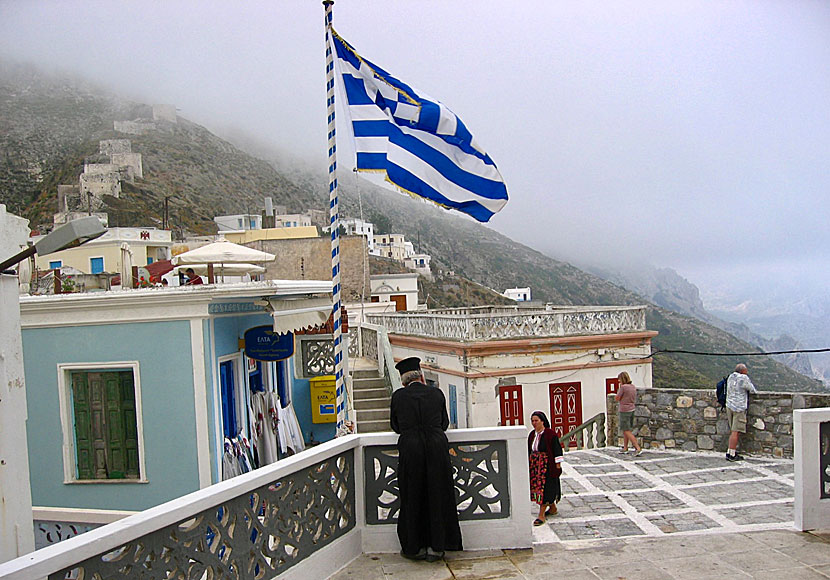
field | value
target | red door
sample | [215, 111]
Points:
[510, 404]
[612, 386]
[565, 407]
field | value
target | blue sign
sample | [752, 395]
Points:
[262, 343]
[327, 409]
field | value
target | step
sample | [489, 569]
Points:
[372, 415]
[361, 394]
[374, 383]
[366, 404]
[373, 426]
[365, 374]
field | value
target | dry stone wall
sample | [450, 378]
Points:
[691, 420]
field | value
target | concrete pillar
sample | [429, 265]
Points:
[811, 436]
[16, 528]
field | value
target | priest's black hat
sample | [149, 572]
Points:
[412, 363]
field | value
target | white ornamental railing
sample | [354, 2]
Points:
[494, 323]
[302, 517]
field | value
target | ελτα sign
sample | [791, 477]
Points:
[262, 343]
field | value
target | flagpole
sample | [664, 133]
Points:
[334, 222]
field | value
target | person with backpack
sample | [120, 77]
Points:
[738, 386]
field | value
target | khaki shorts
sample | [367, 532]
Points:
[736, 420]
[626, 421]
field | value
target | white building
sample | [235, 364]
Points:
[359, 227]
[105, 254]
[402, 289]
[518, 294]
[496, 365]
[393, 246]
[239, 222]
[419, 263]
[292, 220]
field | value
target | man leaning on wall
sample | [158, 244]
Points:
[738, 387]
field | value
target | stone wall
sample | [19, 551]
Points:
[114, 146]
[691, 420]
[310, 259]
[134, 127]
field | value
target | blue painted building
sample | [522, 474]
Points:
[130, 393]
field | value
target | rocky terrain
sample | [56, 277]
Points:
[49, 126]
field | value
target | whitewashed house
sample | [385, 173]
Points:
[496, 365]
[402, 289]
[518, 294]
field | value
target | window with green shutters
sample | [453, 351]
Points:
[106, 434]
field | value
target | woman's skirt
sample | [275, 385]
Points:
[543, 489]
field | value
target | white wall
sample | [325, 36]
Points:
[478, 377]
[811, 512]
[16, 531]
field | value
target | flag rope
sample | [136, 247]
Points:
[334, 224]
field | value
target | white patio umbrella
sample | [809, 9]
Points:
[126, 266]
[221, 253]
[222, 269]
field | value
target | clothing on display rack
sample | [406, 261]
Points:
[265, 426]
[237, 457]
[291, 437]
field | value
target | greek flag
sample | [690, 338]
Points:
[417, 144]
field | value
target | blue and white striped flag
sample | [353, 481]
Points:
[421, 146]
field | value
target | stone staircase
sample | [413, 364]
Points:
[371, 401]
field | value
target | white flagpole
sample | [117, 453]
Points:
[334, 222]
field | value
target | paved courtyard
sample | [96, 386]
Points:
[610, 495]
[662, 515]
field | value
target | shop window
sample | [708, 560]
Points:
[101, 424]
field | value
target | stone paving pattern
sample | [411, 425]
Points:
[663, 515]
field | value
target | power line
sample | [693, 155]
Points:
[740, 353]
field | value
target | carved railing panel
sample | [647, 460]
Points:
[480, 471]
[495, 324]
[354, 345]
[256, 535]
[318, 357]
[48, 532]
[369, 343]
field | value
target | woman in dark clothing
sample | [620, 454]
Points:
[545, 466]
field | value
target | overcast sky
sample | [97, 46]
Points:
[694, 135]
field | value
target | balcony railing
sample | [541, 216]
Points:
[498, 323]
[302, 517]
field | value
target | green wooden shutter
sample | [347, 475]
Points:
[131, 466]
[115, 427]
[106, 434]
[97, 404]
[83, 428]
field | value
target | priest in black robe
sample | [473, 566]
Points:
[428, 518]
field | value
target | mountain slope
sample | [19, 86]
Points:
[667, 289]
[208, 176]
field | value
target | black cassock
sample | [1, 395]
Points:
[428, 516]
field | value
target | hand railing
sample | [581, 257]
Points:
[589, 435]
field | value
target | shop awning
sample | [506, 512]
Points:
[292, 315]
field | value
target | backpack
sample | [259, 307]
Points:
[721, 392]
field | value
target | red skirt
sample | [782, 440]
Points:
[538, 471]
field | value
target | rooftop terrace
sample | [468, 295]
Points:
[502, 322]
